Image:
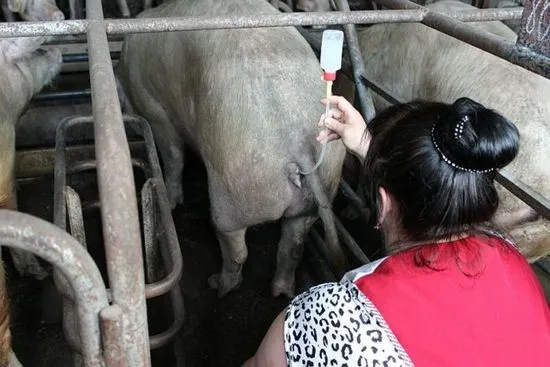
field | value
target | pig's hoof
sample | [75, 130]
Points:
[224, 286]
[281, 287]
[349, 213]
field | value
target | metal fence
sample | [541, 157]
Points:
[117, 335]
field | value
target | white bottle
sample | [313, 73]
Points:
[331, 53]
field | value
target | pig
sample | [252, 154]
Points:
[247, 101]
[35, 10]
[25, 69]
[412, 61]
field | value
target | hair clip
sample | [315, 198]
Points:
[459, 128]
[451, 163]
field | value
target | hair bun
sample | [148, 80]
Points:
[475, 138]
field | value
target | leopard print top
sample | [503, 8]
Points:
[335, 324]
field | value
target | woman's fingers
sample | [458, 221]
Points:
[334, 125]
[340, 102]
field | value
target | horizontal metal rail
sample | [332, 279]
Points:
[150, 25]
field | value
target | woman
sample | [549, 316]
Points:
[451, 292]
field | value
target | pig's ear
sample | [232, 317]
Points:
[16, 6]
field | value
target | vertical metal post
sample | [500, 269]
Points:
[112, 331]
[365, 98]
[119, 211]
[535, 26]
[123, 6]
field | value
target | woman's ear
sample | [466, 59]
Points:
[386, 204]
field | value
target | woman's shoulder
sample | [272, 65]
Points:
[334, 323]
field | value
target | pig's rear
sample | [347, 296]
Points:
[247, 101]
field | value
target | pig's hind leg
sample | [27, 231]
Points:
[234, 254]
[170, 147]
[289, 253]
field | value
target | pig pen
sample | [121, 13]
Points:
[215, 331]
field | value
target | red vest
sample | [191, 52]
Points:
[476, 303]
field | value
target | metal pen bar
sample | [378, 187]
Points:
[150, 25]
[111, 323]
[170, 249]
[350, 243]
[356, 58]
[119, 209]
[171, 280]
[484, 40]
[83, 57]
[524, 193]
[57, 95]
[53, 244]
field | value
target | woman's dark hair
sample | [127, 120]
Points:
[438, 162]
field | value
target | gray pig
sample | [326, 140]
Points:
[35, 10]
[413, 61]
[20, 79]
[24, 71]
[247, 101]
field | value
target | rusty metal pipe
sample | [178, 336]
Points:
[174, 252]
[358, 65]
[150, 25]
[124, 10]
[162, 339]
[113, 333]
[161, 197]
[119, 209]
[350, 243]
[54, 245]
[154, 289]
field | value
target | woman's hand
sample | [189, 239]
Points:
[346, 123]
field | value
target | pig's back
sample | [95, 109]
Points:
[261, 83]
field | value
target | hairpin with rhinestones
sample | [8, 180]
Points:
[451, 163]
[459, 128]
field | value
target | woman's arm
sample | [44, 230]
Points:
[271, 352]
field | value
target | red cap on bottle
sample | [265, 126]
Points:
[329, 76]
